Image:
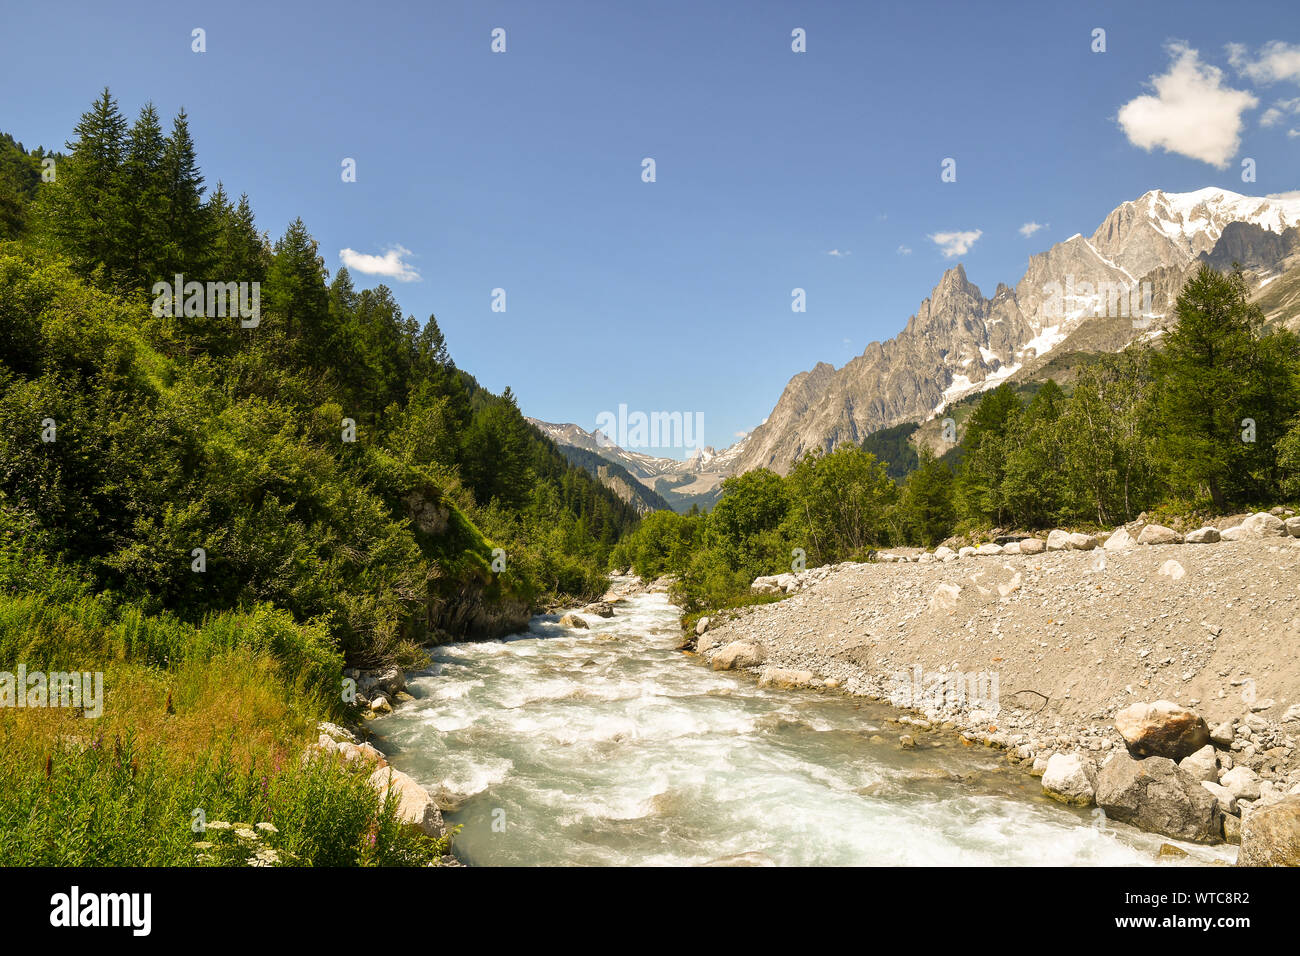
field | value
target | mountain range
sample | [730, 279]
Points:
[1093, 293]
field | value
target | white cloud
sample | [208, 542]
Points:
[1029, 228]
[1275, 61]
[390, 264]
[904, 250]
[955, 243]
[1293, 133]
[839, 255]
[1192, 113]
[740, 434]
[1274, 114]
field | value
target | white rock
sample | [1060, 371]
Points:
[1082, 542]
[1242, 783]
[1202, 765]
[1227, 802]
[945, 597]
[1172, 569]
[1206, 535]
[1011, 547]
[1159, 534]
[944, 553]
[1265, 525]
[1292, 527]
[1058, 540]
[965, 551]
[1119, 540]
[988, 549]
[1032, 546]
[1070, 778]
[414, 805]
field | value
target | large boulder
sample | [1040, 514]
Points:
[1159, 534]
[1082, 542]
[1270, 836]
[414, 805]
[1070, 778]
[943, 553]
[1262, 525]
[738, 654]
[1119, 540]
[1032, 546]
[1206, 535]
[1153, 794]
[1265, 525]
[1058, 540]
[572, 620]
[989, 549]
[1161, 729]
[1292, 527]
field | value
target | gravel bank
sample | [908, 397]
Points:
[1089, 631]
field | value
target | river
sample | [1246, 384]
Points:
[608, 746]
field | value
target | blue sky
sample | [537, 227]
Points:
[522, 170]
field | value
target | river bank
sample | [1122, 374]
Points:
[1068, 639]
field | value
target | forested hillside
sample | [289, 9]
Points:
[328, 457]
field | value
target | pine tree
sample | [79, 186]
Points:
[85, 210]
[146, 237]
[1219, 373]
[188, 227]
[295, 285]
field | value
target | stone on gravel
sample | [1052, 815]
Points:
[1161, 729]
[1172, 570]
[786, 677]
[1159, 534]
[738, 654]
[1206, 535]
[1032, 546]
[1058, 540]
[1119, 540]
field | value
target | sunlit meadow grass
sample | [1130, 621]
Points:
[209, 720]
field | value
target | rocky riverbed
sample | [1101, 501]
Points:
[1037, 648]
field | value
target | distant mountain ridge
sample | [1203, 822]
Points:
[679, 484]
[959, 342]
